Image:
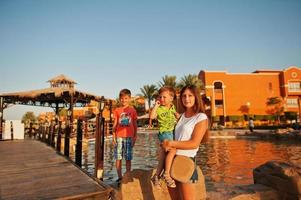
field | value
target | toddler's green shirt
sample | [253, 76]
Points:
[166, 118]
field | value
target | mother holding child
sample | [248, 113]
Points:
[190, 131]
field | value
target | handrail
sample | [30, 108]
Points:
[53, 133]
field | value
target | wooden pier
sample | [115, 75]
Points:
[30, 169]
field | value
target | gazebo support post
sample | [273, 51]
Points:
[67, 138]
[69, 127]
[58, 125]
[71, 116]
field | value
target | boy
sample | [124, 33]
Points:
[166, 114]
[124, 132]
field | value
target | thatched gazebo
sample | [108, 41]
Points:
[60, 94]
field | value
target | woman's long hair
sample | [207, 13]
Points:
[198, 105]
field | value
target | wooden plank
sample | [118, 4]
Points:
[32, 170]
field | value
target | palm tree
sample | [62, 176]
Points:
[168, 81]
[149, 92]
[273, 101]
[276, 107]
[190, 79]
[171, 82]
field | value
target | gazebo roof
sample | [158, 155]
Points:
[61, 78]
[52, 96]
[48, 96]
[49, 93]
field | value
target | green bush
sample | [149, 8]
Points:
[215, 118]
[264, 117]
[236, 118]
[290, 115]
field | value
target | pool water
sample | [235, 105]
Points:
[225, 162]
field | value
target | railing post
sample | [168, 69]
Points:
[30, 130]
[34, 131]
[11, 130]
[1, 117]
[39, 132]
[79, 138]
[67, 140]
[44, 132]
[99, 142]
[59, 137]
[48, 133]
[102, 139]
[98, 170]
[52, 143]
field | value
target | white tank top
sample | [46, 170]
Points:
[184, 131]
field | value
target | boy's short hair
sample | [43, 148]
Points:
[167, 89]
[124, 92]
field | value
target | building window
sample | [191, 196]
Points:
[294, 87]
[218, 87]
[219, 103]
[270, 86]
[294, 74]
[292, 103]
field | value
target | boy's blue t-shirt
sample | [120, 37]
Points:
[166, 118]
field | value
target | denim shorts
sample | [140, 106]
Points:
[165, 136]
[195, 177]
[123, 149]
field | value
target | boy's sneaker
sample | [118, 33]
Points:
[155, 180]
[169, 181]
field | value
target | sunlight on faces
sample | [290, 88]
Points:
[165, 98]
[125, 100]
[188, 98]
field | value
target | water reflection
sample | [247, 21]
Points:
[225, 162]
[230, 162]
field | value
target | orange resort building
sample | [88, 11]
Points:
[236, 96]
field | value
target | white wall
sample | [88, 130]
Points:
[18, 130]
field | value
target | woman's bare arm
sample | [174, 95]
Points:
[196, 138]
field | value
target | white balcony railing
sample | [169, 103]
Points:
[294, 89]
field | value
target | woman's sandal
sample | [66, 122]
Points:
[169, 181]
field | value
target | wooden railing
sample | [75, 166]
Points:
[52, 134]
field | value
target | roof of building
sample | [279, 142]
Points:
[267, 71]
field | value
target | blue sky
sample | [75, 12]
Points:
[109, 45]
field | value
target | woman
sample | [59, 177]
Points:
[190, 131]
